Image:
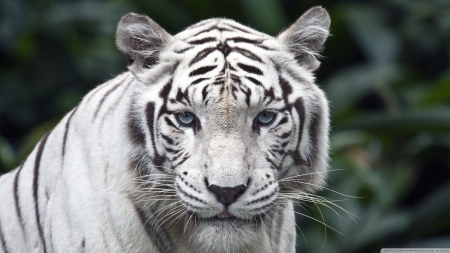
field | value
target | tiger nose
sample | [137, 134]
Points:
[227, 195]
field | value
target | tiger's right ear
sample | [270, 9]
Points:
[141, 39]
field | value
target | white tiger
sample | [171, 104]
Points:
[203, 146]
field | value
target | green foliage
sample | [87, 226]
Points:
[386, 72]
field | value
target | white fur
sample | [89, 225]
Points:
[109, 180]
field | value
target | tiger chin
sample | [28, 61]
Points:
[204, 145]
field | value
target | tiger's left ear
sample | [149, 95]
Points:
[306, 36]
[141, 40]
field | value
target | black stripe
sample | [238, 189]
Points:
[204, 94]
[253, 80]
[224, 48]
[269, 95]
[234, 89]
[223, 29]
[271, 151]
[284, 144]
[16, 197]
[150, 113]
[250, 69]
[201, 55]
[164, 94]
[160, 238]
[245, 40]
[115, 103]
[210, 28]
[256, 43]
[104, 98]
[37, 164]
[262, 208]
[276, 235]
[191, 206]
[2, 239]
[202, 70]
[263, 198]
[181, 51]
[241, 29]
[247, 54]
[205, 30]
[135, 132]
[196, 81]
[168, 139]
[101, 88]
[181, 97]
[220, 80]
[300, 108]
[173, 151]
[286, 87]
[282, 121]
[274, 166]
[95, 92]
[202, 41]
[182, 161]
[248, 94]
[170, 123]
[165, 90]
[190, 196]
[278, 151]
[314, 131]
[66, 131]
[285, 135]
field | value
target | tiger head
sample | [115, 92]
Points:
[229, 120]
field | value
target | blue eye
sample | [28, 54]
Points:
[266, 117]
[185, 118]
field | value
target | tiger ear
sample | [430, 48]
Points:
[306, 36]
[141, 39]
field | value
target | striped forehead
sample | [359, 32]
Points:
[217, 26]
[222, 57]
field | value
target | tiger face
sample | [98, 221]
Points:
[232, 115]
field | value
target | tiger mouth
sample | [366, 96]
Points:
[226, 217]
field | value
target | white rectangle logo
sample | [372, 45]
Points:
[415, 250]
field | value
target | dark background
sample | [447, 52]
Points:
[386, 72]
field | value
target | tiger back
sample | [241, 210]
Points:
[203, 145]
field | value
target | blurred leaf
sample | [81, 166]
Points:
[408, 122]
[159, 10]
[378, 226]
[266, 15]
[437, 242]
[433, 209]
[426, 140]
[101, 16]
[368, 25]
[438, 93]
[33, 138]
[7, 156]
[344, 139]
[401, 181]
[346, 87]
[373, 180]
